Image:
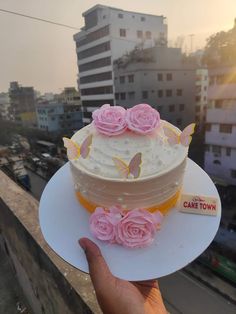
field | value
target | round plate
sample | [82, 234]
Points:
[182, 237]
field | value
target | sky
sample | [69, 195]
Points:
[43, 55]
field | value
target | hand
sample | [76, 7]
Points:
[117, 296]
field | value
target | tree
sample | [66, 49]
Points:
[221, 49]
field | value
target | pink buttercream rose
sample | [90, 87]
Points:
[110, 120]
[102, 225]
[137, 228]
[142, 119]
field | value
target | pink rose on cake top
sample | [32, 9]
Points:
[132, 160]
[142, 119]
[110, 120]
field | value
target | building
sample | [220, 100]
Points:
[220, 136]
[70, 96]
[56, 116]
[201, 97]
[5, 106]
[157, 76]
[22, 100]
[108, 34]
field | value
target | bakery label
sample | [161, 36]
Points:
[195, 204]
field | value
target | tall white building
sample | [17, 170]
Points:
[107, 35]
[202, 82]
[220, 136]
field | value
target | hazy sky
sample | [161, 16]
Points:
[43, 55]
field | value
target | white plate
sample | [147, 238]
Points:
[182, 237]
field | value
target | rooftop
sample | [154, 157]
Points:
[99, 6]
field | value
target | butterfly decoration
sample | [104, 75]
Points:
[184, 138]
[74, 151]
[133, 167]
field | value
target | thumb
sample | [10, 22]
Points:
[98, 269]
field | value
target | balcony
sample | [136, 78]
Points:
[224, 116]
[225, 91]
[220, 139]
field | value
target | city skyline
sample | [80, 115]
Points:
[43, 55]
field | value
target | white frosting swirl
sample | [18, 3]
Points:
[158, 156]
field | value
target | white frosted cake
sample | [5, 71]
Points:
[128, 159]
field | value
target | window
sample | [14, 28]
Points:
[142, 19]
[102, 32]
[96, 77]
[117, 95]
[120, 16]
[148, 35]
[208, 127]
[233, 173]
[144, 94]
[131, 78]
[122, 32]
[122, 96]
[140, 34]
[99, 63]
[197, 108]
[168, 92]
[179, 121]
[226, 128]
[179, 92]
[160, 77]
[94, 50]
[228, 151]
[198, 98]
[207, 147]
[216, 149]
[160, 93]
[131, 95]
[171, 108]
[122, 79]
[169, 76]
[219, 104]
[52, 118]
[216, 162]
[97, 90]
[205, 88]
[181, 107]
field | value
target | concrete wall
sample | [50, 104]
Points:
[50, 285]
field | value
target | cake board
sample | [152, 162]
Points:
[182, 238]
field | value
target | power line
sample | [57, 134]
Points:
[39, 19]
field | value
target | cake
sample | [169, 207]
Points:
[127, 163]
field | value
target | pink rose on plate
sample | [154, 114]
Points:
[142, 119]
[110, 120]
[137, 228]
[102, 225]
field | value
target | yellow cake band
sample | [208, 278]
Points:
[163, 207]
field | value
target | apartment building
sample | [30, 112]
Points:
[5, 106]
[220, 135]
[54, 116]
[22, 100]
[108, 34]
[202, 82]
[159, 77]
